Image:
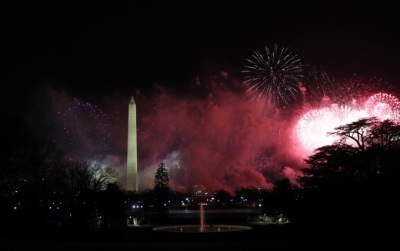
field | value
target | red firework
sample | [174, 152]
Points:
[383, 106]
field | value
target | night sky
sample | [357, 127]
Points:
[70, 68]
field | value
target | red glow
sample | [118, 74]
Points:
[312, 128]
[213, 136]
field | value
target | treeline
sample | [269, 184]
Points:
[353, 180]
[39, 188]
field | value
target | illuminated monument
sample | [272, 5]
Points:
[131, 163]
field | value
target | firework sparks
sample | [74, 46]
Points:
[85, 131]
[312, 128]
[275, 76]
[359, 88]
[317, 84]
[314, 125]
[383, 105]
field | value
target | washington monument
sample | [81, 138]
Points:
[131, 163]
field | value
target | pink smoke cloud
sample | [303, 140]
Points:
[211, 136]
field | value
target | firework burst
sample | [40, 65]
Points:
[383, 106]
[313, 127]
[275, 76]
[85, 130]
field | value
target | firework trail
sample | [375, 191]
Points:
[317, 84]
[275, 76]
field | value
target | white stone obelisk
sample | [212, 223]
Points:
[131, 163]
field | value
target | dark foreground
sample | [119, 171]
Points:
[265, 237]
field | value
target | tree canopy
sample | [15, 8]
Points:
[161, 178]
[356, 177]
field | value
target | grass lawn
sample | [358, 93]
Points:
[265, 237]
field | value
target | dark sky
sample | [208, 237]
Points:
[96, 48]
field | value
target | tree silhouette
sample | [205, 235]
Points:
[355, 178]
[31, 174]
[161, 188]
[355, 132]
[84, 182]
[112, 207]
[161, 178]
[280, 201]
